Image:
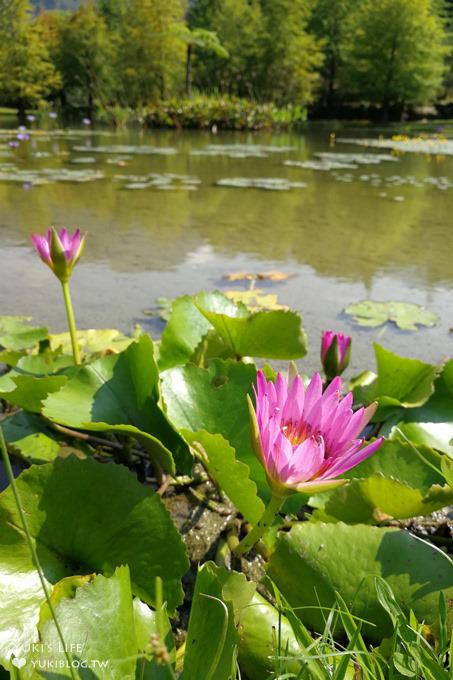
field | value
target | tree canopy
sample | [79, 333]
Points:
[99, 55]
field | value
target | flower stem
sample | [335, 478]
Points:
[71, 321]
[263, 525]
[35, 559]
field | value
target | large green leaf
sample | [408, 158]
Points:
[91, 341]
[405, 315]
[396, 482]
[314, 560]
[273, 334]
[218, 602]
[261, 630]
[84, 517]
[17, 334]
[231, 474]
[379, 498]
[183, 333]
[29, 391]
[432, 423]
[239, 331]
[214, 399]
[398, 459]
[98, 629]
[28, 435]
[121, 393]
[401, 383]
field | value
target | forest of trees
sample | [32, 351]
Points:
[101, 55]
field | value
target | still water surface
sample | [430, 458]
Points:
[380, 231]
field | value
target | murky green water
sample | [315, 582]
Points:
[381, 231]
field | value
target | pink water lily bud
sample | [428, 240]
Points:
[304, 437]
[60, 251]
[335, 353]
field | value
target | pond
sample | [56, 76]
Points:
[170, 213]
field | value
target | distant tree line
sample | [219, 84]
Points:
[109, 55]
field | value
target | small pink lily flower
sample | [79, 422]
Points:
[335, 353]
[59, 251]
[305, 437]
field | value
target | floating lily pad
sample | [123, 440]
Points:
[83, 160]
[255, 299]
[323, 164]
[240, 150]
[124, 149]
[261, 276]
[16, 332]
[406, 315]
[49, 175]
[267, 183]
[433, 145]
[166, 181]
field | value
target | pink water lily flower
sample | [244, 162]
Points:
[60, 251]
[305, 437]
[335, 353]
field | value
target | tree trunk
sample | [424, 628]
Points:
[189, 70]
[21, 108]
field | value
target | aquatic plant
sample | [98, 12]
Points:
[335, 353]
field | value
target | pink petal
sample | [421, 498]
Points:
[306, 460]
[293, 409]
[42, 246]
[342, 465]
[313, 393]
[326, 341]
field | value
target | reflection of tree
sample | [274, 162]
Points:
[341, 230]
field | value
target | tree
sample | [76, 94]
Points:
[85, 58]
[239, 27]
[292, 56]
[329, 23]
[27, 74]
[150, 56]
[207, 41]
[395, 53]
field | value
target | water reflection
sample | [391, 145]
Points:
[345, 239]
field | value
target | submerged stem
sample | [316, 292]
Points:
[71, 321]
[35, 559]
[263, 525]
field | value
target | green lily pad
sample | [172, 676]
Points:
[235, 330]
[401, 383]
[17, 334]
[27, 434]
[214, 399]
[91, 341]
[84, 517]
[315, 560]
[260, 622]
[219, 599]
[29, 391]
[183, 333]
[274, 334]
[406, 315]
[121, 393]
[378, 498]
[395, 482]
[97, 624]
[432, 423]
[230, 474]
